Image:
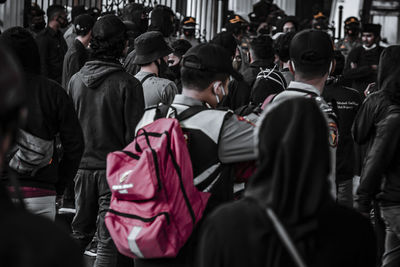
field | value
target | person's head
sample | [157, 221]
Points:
[371, 34]
[12, 99]
[227, 41]
[288, 24]
[261, 48]
[162, 20]
[236, 25]
[320, 22]
[205, 72]
[151, 48]
[311, 54]
[109, 38]
[389, 72]
[94, 12]
[189, 26]
[136, 14]
[179, 47]
[352, 27]
[36, 19]
[283, 46]
[77, 11]
[83, 24]
[57, 17]
[21, 43]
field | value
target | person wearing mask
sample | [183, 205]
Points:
[188, 27]
[346, 101]
[377, 126]
[136, 19]
[312, 61]
[109, 103]
[151, 50]
[51, 43]
[26, 239]
[224, 137]
[70, 34]
[362, 62]
[352, 38]
[42, 174]
[179, 47]
[291, 182]
[239, 90]
[264, 76]
[78, 54]
[36, 22]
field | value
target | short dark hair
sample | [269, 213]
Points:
[199, 80]
[262, 47]
[227, 41]
[53, 11]
[310, 71]
[283, 46]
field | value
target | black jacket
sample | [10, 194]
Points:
[377, 125]
[74, 60]
[109, 103]
[52, 49]
[250, 74]
[51, 112]
[346, 101]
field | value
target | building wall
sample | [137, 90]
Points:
[12, 13]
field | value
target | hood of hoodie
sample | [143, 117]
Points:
[94, 72]
[389, 72]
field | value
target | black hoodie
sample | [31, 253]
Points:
[109, 103]
[292, 179]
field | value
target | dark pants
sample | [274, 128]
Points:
[345, 192]
[92, 199]
[391, 216]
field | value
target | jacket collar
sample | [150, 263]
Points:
[303, 86]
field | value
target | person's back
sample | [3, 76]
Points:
[151, 52]
[295, 187]
[216, 139]
[109, 103]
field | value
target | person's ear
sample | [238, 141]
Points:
[292, 68]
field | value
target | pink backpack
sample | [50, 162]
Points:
[154, 204]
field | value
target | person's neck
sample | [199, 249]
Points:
[318, 83]
[201, 96]
[84, 40]
[54, 25]
[152, 68]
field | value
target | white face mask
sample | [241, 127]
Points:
[216, 95]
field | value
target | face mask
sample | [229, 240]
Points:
[38, 26]
[223, 93]
[176, 70]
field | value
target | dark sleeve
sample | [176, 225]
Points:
[364, 121]
[42, 43]
[378, 159]
[359, 72]
[133, 108]
[72, 141]
[238, 95]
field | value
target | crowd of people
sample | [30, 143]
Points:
[288, 123]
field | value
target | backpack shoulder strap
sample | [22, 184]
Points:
[146, 77]
[285, 238]
[189, 112]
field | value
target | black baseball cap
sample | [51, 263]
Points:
[312, 47]
[211, 58]
[83, 24]
[108, 27]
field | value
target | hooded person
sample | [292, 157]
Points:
[26, 240]
[109, 102]
[151, 52]
[377, 126]
[295, 186]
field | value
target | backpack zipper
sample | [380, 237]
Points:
[133, 216]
